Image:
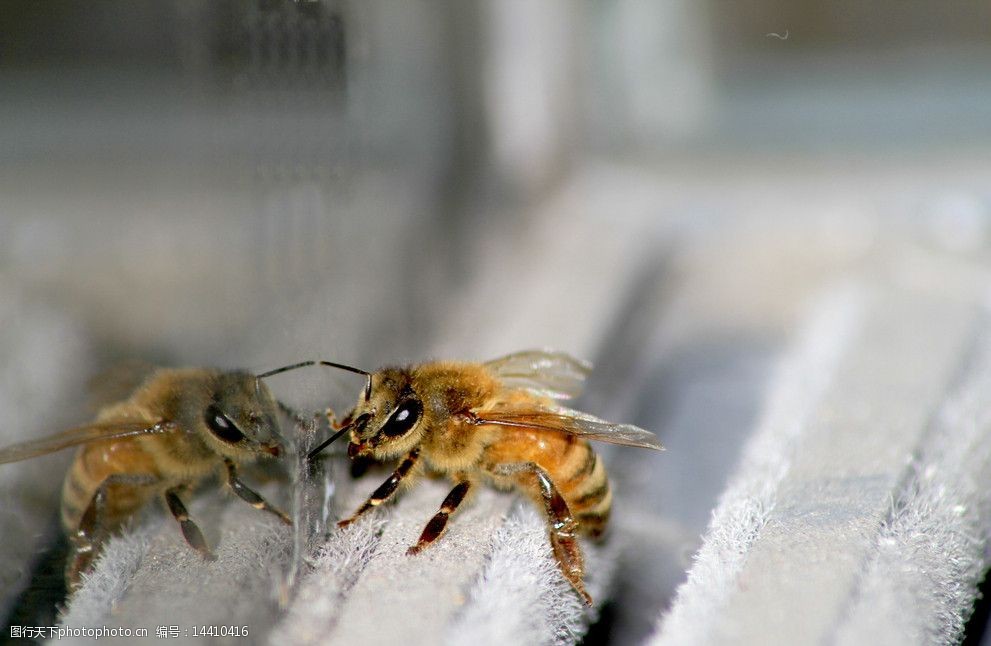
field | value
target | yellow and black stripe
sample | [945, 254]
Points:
[585, 485]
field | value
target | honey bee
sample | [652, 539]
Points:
[168, 430]
[493, 423]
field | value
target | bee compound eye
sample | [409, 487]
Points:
[405, 417]
[221, 425]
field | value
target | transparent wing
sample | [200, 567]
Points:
[544, 373]
[80, 435]
[566, 420]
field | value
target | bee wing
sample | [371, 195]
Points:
[80, 435]
[566, 420]
[544, 373]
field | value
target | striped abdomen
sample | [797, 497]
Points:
[93, 464]
[575, 469]
[581, 478]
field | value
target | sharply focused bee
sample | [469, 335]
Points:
[494, 423]
[162, 432]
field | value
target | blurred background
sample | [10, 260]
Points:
[659, 186]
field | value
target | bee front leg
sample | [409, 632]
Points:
[386, 489]
[438, 523]
[563, 526]
[190, 531]
[91, 532]
[250, 496]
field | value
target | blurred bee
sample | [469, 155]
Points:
[161, 432]
[493, 423]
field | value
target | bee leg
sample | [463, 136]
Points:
[563, 526]
[190, 531]
[386, 489]
[250, 496]
[438, 523]
[91, 531]
[360, 466]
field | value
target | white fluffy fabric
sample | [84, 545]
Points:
[921, 582]
[104, 586]
[784, 557]
[744, 507]
[520, 596]
[490, 580]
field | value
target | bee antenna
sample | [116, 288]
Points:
[315, 452]
[368, 375]
[303, 364]
[294, 366]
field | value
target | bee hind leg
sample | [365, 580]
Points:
[563, 528]
[438, 523]
[250, 496]
[92, 531]
[190, 531]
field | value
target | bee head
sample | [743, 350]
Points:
[240, 418]
[388, 420]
